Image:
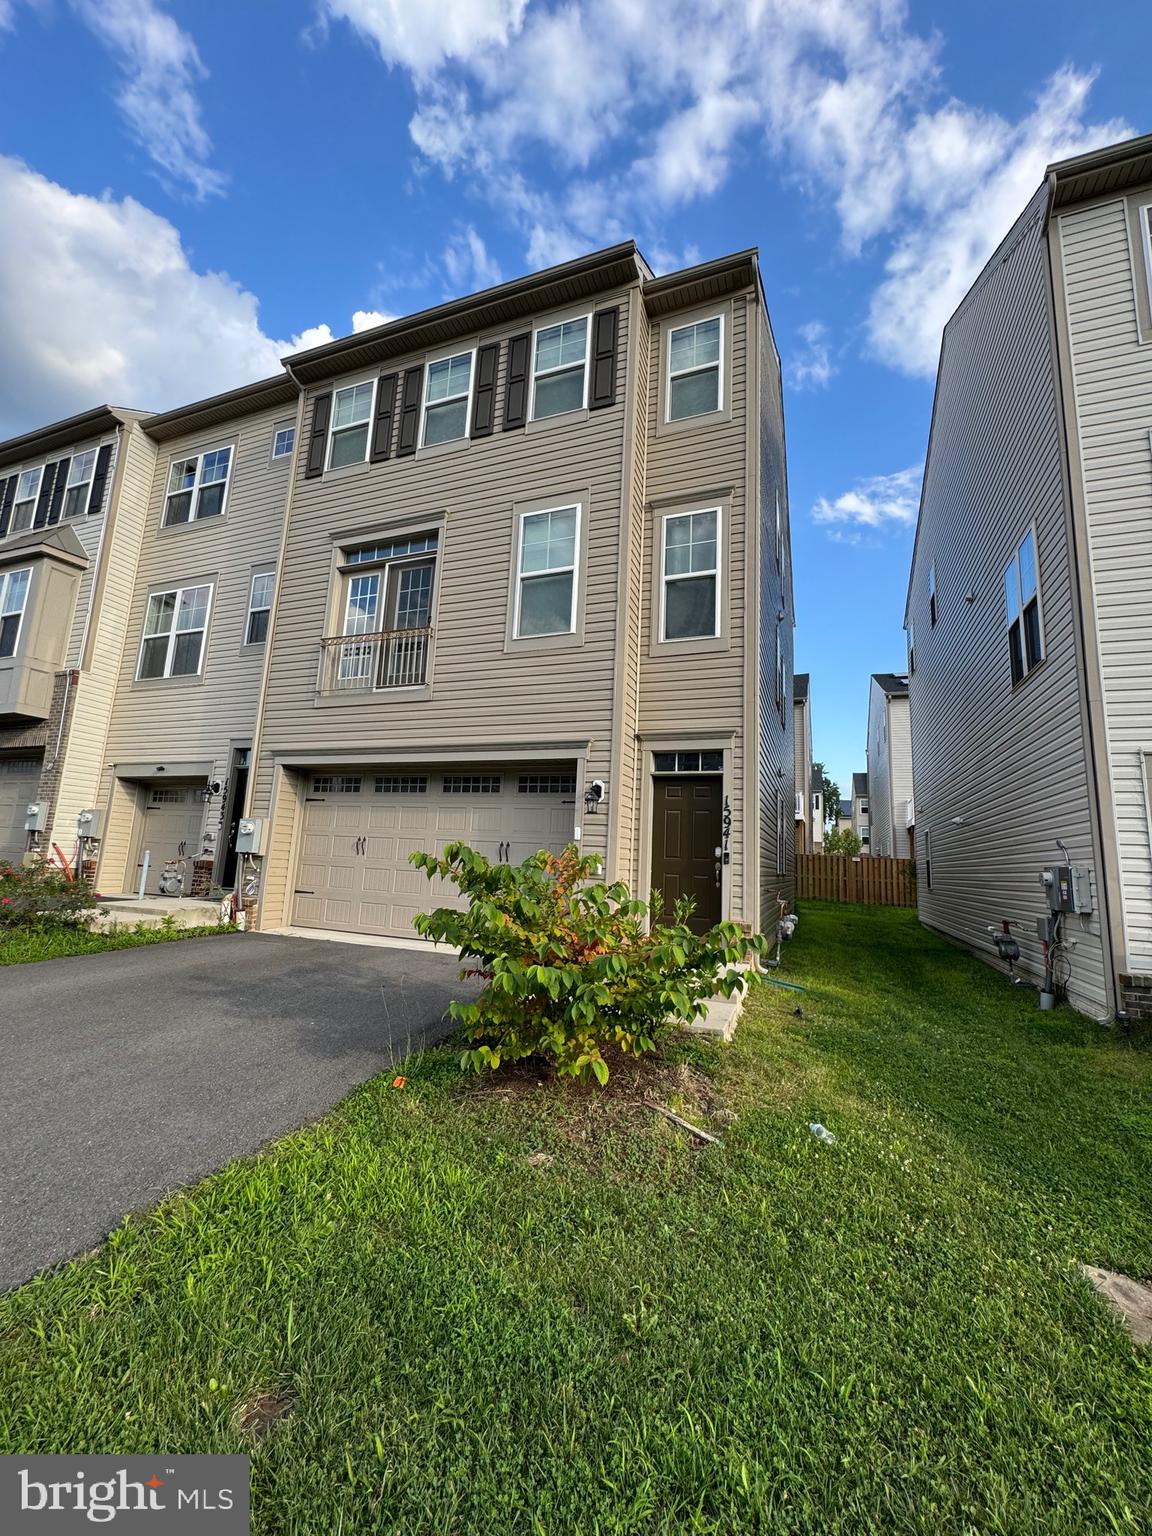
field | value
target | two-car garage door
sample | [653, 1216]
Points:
[360, 825]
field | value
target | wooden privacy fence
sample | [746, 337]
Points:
[873, 879]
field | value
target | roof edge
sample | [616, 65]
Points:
[90, 423]
[280, 388]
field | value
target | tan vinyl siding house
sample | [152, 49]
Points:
[889, 765]
[802, 763]
[466, 710]
[1030, 697]
[174, 761]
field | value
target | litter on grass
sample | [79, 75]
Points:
[821, 1132]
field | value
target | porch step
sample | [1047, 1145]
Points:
[154, 912]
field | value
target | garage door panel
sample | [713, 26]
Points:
[354, 873]
[19, 787]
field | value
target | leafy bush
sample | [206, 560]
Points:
[841, 840]
[569, 964]
[41, 896]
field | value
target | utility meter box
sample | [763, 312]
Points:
[250, 835]
[90, 823]
[36, 817]
[1068, 887]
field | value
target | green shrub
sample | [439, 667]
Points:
[570, 966]
[42, 896]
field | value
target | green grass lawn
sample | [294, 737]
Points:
[417, 1325]
[20, 945]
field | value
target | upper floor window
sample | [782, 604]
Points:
[174, 630]
[690, 606]
[1022, 605]
[197, 487]
[13, 597]
[79, 487]
[446, 395]
[560, 368]
[932, 594]
[385, 633]
[694, 368]
[259, 608]
[911, 647]
[283, 441]
[546, 572]
[24, 507]
[351, 417]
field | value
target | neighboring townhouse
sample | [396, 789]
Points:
[535, 587]
[861, 816]
[816, 812]
[72, 501]
[802, 757]
[844, 821]
[889, 766]
[1029, 613]
[175, 764]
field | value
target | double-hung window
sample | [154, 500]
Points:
[79, 487]
[351, 417]
[690, 605]
[560, 368]
[259, 608]
[446, 394]
[546, 572]
[13, 597]
[174, 630]
[197, 487]
[24, 507]
[694, 368]
[1022, 606]
[932, 609]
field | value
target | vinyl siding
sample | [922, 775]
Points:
[1112, 381]
[889, 771]
[1009, 765]
[198, 719]
[483, 693]
[687, 687]
[777, 743]
[114, 573]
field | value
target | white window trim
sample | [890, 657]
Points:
[665, 639]
[443, 357]
[1145, 217]
[6, 577]
[671, 373]
[199, 455]
[374, 380]
[558, 570]
[258, 576]
[68, 486]
[166, 676]
[19, 501]
[546, 325]
[1014, 559]
[286, 426]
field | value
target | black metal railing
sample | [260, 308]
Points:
[389, 658]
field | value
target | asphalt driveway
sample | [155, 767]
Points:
[127, 1074]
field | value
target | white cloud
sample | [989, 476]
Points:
[158, 96]
[98, 301]
[578, 144]
[422, 36]
[366, 319]
[468, 264]
[811, 367]
[880, 501]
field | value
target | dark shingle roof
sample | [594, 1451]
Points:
[893, 683]
[799, 687]
[846, 807]
[859, 783]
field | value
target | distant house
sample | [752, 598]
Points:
[889, 765]
[844, 819]
[1029, 614]
[861, 816]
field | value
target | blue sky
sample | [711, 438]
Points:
[188, 188]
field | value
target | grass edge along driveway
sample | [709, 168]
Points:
[460, 1307]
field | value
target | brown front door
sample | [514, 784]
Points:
[686, 846]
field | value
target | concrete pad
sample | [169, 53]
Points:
[1130, 1300]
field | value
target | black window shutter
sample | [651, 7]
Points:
[484, 397]
[47, 483]
[318, 440]
[603, 390]
[410, 411]
[7, 497]
[100, 480]
[57, 502]
[516, 385]
[385, 410]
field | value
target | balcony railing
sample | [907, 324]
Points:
[390, 658]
